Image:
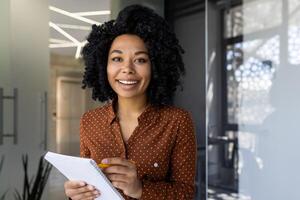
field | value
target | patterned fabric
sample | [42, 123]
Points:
[163, 147]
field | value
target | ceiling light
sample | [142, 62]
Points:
[77, 55]
[63, 12]
[59, 41]
[63, 33]
[62, 45]
[77, 27]
[78, 50]
[93, 13]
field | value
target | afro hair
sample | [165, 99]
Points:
[165, 54]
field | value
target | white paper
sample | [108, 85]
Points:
[84, 169]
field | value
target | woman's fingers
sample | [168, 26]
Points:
[120, 185]
[118, 161]
[117, 177]
[116, 169]
[78, 190]
[123, 175]
[74, 184]
[86, 189]
[86, 195]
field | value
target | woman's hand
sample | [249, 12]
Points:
[123, 175]
[79, 190]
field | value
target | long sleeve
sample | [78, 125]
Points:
[84, 151]
[183, 167]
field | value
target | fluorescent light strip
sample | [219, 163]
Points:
[77, 27]
[63, 12]
[63, 45]
[77, 55]
[64, 33]
[78, 50]
[57, 41]
[93, 13]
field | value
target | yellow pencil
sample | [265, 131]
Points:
[102, 166]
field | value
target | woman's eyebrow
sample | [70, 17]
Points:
[136, 53]
[141, 52]
[116, 51]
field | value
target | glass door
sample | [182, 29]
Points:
[253, 95]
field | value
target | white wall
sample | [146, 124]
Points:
[25, 65]
[5, 71]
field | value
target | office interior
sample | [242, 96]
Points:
[241, 86]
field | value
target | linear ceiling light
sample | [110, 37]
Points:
[62, 45]
[67, 35]
[77, 27]
[93, 13]
[77, 54]
[63, 12]
[79, 47]
[58, 41]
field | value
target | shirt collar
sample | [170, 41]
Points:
[111, 113]
[149, 114]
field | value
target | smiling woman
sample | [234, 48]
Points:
[134, 63]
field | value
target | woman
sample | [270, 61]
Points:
[134, 63]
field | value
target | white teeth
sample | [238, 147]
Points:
[127, 82]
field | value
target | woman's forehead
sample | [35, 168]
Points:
[128, 42]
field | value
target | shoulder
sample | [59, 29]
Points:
[101, 112]
[180, 119]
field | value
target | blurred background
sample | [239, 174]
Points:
[242, 86]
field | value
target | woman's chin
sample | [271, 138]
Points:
[130, 95]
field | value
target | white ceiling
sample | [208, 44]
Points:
[74, 6]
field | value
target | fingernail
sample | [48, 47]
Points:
[90, 187]
[104, 161]
[82, 184]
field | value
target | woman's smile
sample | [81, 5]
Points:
[128, 84]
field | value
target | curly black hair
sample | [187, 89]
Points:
[165, 54]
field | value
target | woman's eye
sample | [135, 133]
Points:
[116, 59]
[141, 60]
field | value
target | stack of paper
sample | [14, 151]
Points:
[84, 169]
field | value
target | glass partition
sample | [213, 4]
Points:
[253, 48]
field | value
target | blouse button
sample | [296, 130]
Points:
[155, 165]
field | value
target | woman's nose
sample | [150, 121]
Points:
[128, 67]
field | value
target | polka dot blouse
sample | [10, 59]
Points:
[163, 147]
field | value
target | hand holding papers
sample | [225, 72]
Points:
[84, 169]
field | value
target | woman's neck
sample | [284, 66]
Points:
[131, 108]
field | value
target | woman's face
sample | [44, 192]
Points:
[128, 66]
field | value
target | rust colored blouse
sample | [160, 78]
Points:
[163, 147]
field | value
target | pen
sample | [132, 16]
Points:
[103, 166]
